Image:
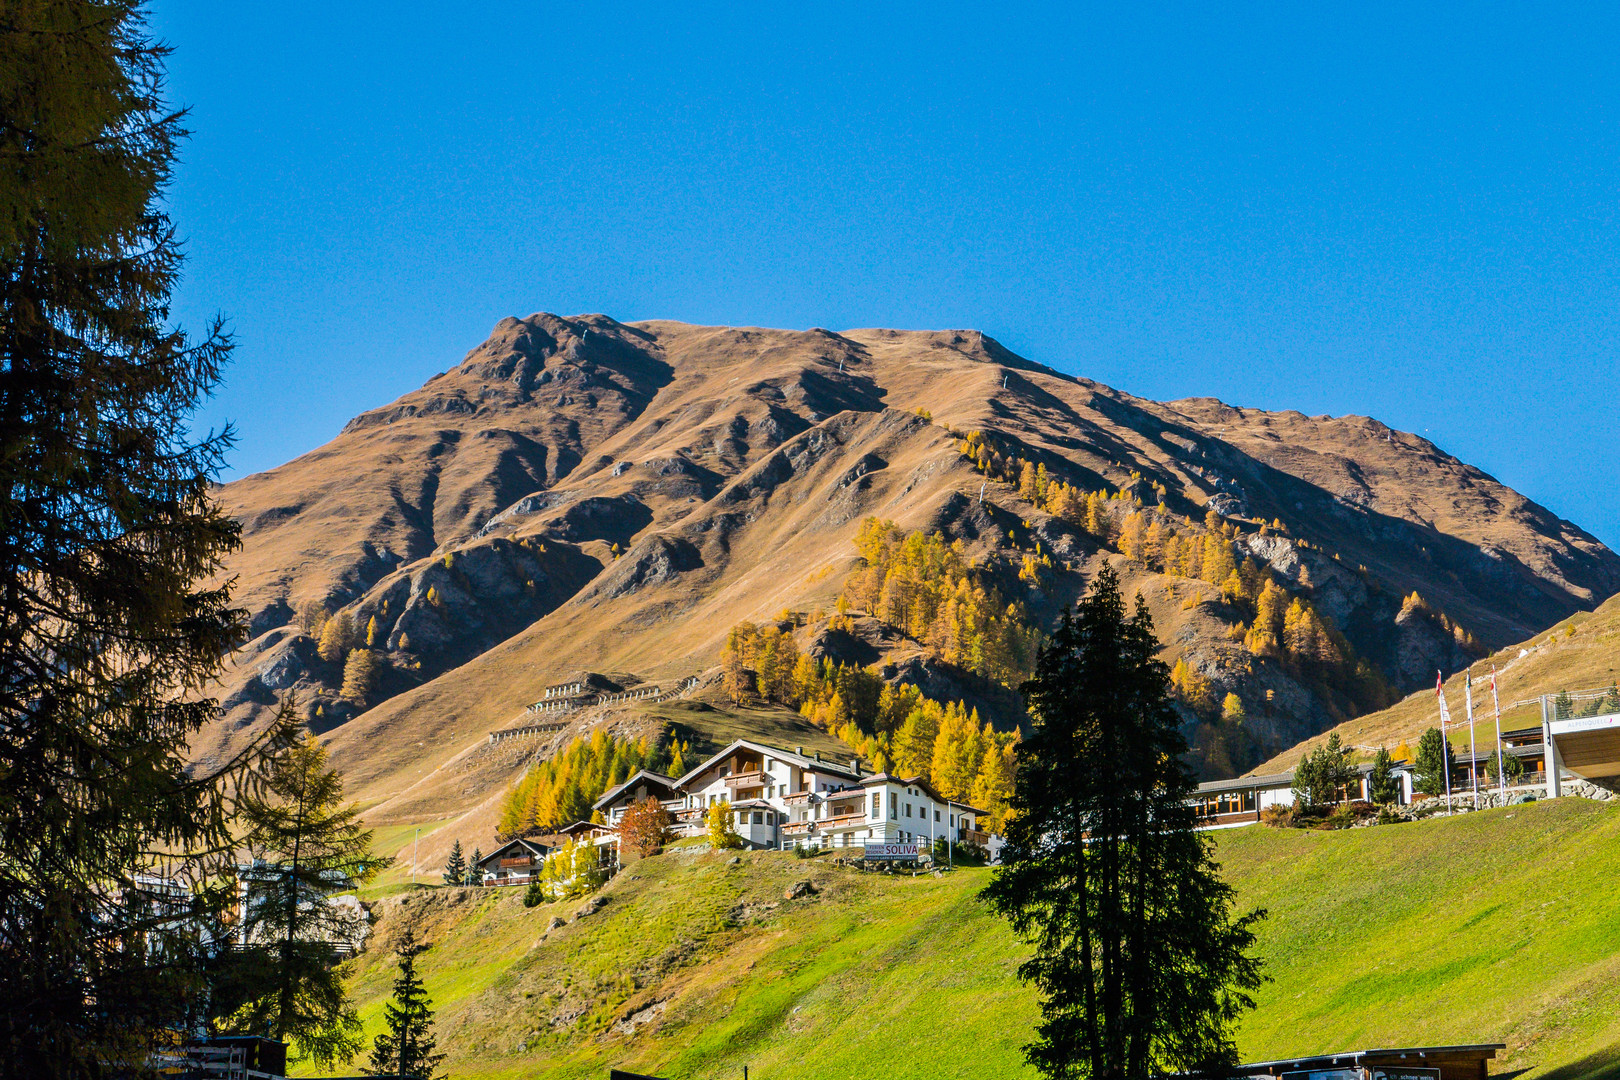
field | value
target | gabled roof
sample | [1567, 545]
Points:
[804, 761]
[528, 847]
[639, 775]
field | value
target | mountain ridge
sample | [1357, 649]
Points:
[582, 493]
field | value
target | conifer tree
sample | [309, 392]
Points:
[307, 846]
[311, 617]
[1432, 763]
[333, 640]
[110, 533]
[1382, 784]
[914, 743]
[455, 868]
[1141, 966]
[371, 633]
[473, 871]
[405, 1046]
[1503, 764]
[359, 673]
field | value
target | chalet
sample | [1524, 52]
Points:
[784, 798]
[757, 780]
[516, 862]
[616, 800]
[1528, 746]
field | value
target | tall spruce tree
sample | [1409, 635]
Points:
[307, 847]
[473, 872]
[1382, 784]
[405, 1045]
[1432, 762]
[1141, 966]
[455, 868]
[109, 534]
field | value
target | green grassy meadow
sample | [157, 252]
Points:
[1500, 926]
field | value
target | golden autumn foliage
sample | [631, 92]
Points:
[926, 588]
[560, 790]
[891, 726]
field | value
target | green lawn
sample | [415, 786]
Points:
[1498, 926]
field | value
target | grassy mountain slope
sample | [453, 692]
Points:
[579, 493]
[1581, 652]
[1496, 926]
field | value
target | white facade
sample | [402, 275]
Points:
[784, 798]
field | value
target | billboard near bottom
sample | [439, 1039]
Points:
[894, 852]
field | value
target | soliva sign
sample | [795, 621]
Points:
[894, 852]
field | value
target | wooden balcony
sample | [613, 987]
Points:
[752, 778]
[507, 864]
[974, 836]
[797, 798]
[839, 821]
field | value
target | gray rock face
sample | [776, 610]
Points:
[286, 669]
[655, 560]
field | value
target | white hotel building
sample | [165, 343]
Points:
[784, 798]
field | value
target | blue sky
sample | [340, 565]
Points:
[1386, 211]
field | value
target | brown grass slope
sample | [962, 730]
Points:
[731, 468]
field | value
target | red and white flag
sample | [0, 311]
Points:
[1440, 692]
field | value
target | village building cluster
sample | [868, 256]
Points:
[780, 799]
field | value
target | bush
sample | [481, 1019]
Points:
[1278, 817]
[800, 851]
[1341, 818]
[534, 895]
[972, 853]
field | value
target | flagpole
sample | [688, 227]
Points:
[1473, 758]
[1496, 703]
[1445, 741]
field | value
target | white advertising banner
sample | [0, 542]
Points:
[894, 852]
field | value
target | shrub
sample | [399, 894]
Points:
[1278, 817]
[534, 895]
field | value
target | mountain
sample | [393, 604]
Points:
[579, 494]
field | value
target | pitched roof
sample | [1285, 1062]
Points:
[532, 847]
[1243, 783]
[802, 760]
[640, 774]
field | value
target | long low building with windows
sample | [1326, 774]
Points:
[786, 798]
